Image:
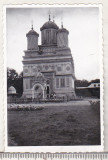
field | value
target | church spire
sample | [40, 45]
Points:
[49, 15]
[61, 24]
[31, 25]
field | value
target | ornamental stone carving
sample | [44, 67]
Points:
[68, 68]
[26, 70]
[39, 77]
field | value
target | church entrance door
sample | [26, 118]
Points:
[38, 91]
[48, 91]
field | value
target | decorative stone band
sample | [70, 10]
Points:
[47, 60]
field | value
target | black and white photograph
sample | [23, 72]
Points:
[54, 76]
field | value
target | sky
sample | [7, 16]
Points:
[84, 36]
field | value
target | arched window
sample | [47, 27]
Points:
[62, 82]
[26, 84]
[57, 82]
[48, 36]
[67, 81]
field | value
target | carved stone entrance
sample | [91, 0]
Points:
[38, 91]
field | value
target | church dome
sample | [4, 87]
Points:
[63, 30]
[32, 32]
[49, 25]
[11, 90]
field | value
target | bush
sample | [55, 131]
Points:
[96, 106]
[25, 107]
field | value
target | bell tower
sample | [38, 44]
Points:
[62, 37]
[32, 39]
[49, 33]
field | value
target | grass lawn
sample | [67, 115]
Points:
[73, 124]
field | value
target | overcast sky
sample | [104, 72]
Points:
[82, 24]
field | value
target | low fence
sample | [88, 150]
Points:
[30, 100]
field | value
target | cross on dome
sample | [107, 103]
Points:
[61, 24]
[32, 25]
[49, 15]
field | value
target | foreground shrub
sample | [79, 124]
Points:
[95, 106]
[17, 107]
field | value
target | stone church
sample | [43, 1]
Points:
[48, 69]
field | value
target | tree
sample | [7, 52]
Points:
[15, 80]
[85, 83]
[11, 74]
[95, 81]
[81, 83]
[19, 84]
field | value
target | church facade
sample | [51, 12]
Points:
[48, 69]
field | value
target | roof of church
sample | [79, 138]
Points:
[49, 24]
[62, 29]
[32, 32]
